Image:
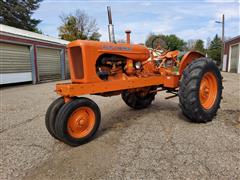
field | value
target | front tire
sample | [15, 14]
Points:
[200, 90]
[78, 121]
[51, 114]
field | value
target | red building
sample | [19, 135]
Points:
[28, 56]
[231, 59]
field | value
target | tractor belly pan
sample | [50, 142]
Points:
[76, 89]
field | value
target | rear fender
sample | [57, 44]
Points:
[187, 59]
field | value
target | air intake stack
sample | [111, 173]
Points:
[110, 25]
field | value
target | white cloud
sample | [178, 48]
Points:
[191, 20]
[210, 30]
[229, 13]
[221, 1]
[141, 29]
[146, 3]
[199, 33]
[104, 34]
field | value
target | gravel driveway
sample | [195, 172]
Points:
[154, 143]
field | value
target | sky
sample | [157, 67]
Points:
[188, 19]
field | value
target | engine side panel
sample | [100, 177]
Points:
[92, 50]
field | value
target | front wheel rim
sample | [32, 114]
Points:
[81, 122]
[208, 90]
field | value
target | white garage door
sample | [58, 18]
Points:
[15, 65]
[49, 65]
[234, 58]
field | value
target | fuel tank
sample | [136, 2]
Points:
[134, 52]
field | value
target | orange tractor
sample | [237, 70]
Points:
[135, 72]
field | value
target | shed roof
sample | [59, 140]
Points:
[232, 39]
[12, 31]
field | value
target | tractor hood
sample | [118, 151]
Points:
[134, 52]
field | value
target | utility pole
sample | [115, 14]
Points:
[223, 38]
[223, 26]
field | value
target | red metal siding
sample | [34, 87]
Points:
[12, 39]
[227, 47]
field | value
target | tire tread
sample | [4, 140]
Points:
[189, 90]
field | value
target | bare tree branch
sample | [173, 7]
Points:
[78, 26]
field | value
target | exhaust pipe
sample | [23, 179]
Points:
[128, 32]
[110, 25]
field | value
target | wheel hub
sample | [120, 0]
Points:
[81, 122]
[208, 90]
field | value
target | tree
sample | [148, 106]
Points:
[155, 40]
[78, 26]
[190, 44]
[199, 46]
[208, 42]
[171, 42]
[175, 43]
[214, 50]
[17, 13]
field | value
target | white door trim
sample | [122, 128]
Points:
[229, 58]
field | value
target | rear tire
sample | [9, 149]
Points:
[78, 121]
[200, 90]
[137, 101]
[51, 114]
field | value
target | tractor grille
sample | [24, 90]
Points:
[77, 62]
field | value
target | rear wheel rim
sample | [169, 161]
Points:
[208, 90]
[81, 122]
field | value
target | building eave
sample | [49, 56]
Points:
[20, 33]
[232, 39]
